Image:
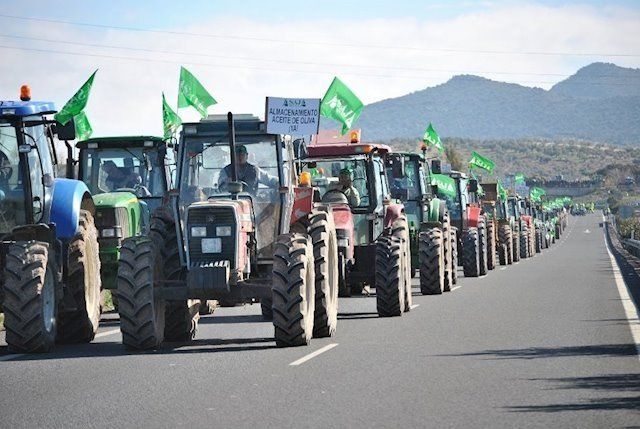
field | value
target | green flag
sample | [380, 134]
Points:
[502, 192]
[170, 119]
[481, 162]
[446, 185]
[77, 103]
[341, 104]
[536, 193]
[431, 138]
[192, 93]
[519, 178]
[83, 127]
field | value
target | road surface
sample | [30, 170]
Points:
[543, 343]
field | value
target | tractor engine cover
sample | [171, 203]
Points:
[217, 236]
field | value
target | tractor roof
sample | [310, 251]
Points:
[120, 141]
[217, 125]
[457, 175]
[26, 108]
[332, 143]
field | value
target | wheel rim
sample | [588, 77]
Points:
[48, 301]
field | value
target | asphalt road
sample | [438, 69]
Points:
[544, 343]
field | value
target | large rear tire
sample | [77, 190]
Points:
[30, 303]
[524, 243]
[491, 245]
[449, 268]
[431, 249]
[400, 229]
[516, 246]
[181, 317]
[471, 252]
[293, 290]
[390, 293]
[322, 230]
[142, 312]
[83, 283]
[482, 237]
[454, 256]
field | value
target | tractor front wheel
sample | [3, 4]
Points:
[390, 293]
[30, 297]
[471, 250]
[431, 248]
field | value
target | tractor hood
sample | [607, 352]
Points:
[115, 199]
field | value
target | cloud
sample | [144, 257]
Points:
[240, 73]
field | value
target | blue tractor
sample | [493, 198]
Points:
[49, 262]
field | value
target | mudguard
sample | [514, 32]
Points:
[393, 212]
[69, 196]
[302, 204]
[473, 216]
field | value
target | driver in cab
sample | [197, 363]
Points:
[345, 185]
[248, 173]
[119, 178]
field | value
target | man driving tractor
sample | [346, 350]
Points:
[247, 173]
[345, 185]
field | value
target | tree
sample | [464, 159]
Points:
[453, 156]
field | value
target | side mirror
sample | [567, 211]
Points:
[473, 185]
[436, 166]
[66, 132]
[397, 167]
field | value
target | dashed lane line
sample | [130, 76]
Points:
[455, 288]
[414, 306]
[313, 354]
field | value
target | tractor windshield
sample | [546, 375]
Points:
[412, 181]
[111, 169]
[12, 201]
[342, 178]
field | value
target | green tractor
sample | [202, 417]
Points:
[432, 238]
[499, 231]
[129, 177]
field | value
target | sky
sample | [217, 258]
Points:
[245, 51]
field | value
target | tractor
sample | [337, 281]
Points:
[432, 238]
[240, 228]
[373, 231]
[49, 262]
[467, 217]
[498, 227]
[129, 177]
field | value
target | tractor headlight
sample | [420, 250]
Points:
[198, 231]
[108, 232]
[223, 231]
[343, 242]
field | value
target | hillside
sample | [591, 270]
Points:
[601, 102]
[576, 160]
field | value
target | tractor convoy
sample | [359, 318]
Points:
[232, 214]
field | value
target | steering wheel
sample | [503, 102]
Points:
[142, 191]
[335, 196]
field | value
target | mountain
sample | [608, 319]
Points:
[601, 103]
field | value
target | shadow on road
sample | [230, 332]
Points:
[617, 383]
[355, 316]
[215, 319]
[601, 350]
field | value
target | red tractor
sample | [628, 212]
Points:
[373, 233]
[238, 229]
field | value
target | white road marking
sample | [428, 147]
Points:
[10, 357]
[630, 309]
[503, 268]
[106, 333]
[455, 288]
[414, 306]
[586, 231]
[313, 354]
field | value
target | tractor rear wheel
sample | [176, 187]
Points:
[322, 230]
[431, 249]
[524, 243]
[390, 272]
[400, 229]
[471, 252]
[491, 245]
[516, 246]
[181, 320]
[181, 317]
[448, 256]
[482, 236]
[454, 256]
[83, 283]
[142, 312]
[30, 303]
[538, 241]
[293, 290]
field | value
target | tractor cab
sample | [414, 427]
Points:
[128, 177]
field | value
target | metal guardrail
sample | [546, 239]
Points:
[632, 246]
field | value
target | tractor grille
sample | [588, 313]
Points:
[109, 217]
[212, 217]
